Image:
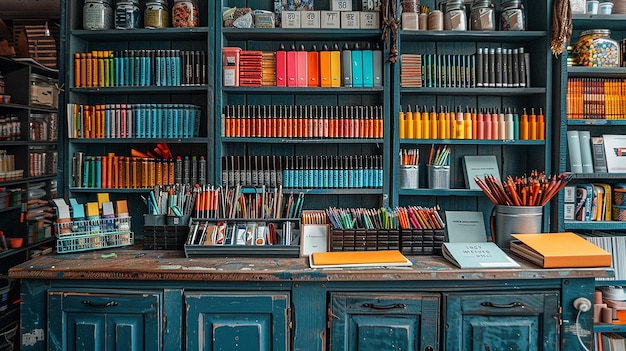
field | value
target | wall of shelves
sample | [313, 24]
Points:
[514, 157]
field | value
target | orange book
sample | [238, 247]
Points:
[358, 259]
[325, 74]
[559, 250]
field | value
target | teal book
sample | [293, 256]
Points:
[477, 255]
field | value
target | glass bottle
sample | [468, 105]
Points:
[156, 14]
[97, 14]
[127, 14]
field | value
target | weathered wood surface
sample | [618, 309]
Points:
[136, 264]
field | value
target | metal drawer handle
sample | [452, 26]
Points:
[496, 305]
[387, 307]
[99, 305]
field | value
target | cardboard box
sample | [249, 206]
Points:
[290, 19]
[330, 19]
[310, 19]
[350, 20]
[370, 20]
[341, 5]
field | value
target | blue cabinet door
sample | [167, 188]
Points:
[237, 321]
[81, 321]
[371, 322]
[512, 322]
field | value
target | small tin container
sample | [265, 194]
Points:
[127, 15]
[97, 14]
[185, 13]
[595, 48]
[156, 14]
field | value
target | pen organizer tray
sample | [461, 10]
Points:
[93, 234]
[422, 241]
[364, 239]
[164, 237]
[408, 241]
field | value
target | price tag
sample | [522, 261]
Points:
[341, 5]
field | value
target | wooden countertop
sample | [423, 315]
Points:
[136, 264]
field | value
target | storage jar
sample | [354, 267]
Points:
[156, 15]
[185, 13]
[127, 15]
[482, 15]
[97, 14]
[595, 48]
[454, 17]
[512, 16]
[43, 91]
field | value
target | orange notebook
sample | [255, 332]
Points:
[358, 259]
[559, 250]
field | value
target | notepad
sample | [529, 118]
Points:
[358, 259]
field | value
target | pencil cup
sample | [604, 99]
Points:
[409, 177]
[439, 177]
[515, 220]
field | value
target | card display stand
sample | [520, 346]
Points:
[93, 234]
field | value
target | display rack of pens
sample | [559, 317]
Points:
[534, 190]
[469, 123]
[413, 230]
[303, 122]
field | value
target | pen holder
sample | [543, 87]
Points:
[409, 177]
[438, 177]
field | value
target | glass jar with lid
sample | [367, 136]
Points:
[595, 48]
[512, 16]
[97, 14]
[185, 13]
[482, 15]
[454, 16]
[127, 14]
[156, 14]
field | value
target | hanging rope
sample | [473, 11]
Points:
[390, 23]
[561, 26]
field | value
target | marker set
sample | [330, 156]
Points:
[412, 217]
[317, 172]
[484, 124]
[108, 68]
[133, 120]
[271, 121]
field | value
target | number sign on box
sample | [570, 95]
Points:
[341, 5]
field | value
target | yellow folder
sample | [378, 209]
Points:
[358, 259]
[559, 250]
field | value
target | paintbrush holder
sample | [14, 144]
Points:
[438, 177]
[409, 177]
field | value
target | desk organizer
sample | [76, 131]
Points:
[164, 237]
[408, 241]
[73, 236]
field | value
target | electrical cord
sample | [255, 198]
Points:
[578, 331]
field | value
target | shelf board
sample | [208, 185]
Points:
[260, 140]
[351, 191]
[474, 91]
[281, 34]
[597, 176]
[479, 36]
[595, 122]
[596, 72]
[143, 90]
[588, 21]
[27, 180]
[138, 140]
[10, 252]
[470, 142]
[110, 190]
[590, 225]
[606, 328]
[142, 34]
[301, 90]
[440, 192]
[12, 208]
[608, 282]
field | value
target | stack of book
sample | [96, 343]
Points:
[411, 72]
[250, 68]
[268, 64]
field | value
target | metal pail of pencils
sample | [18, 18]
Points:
[409, 177]
[438, 177]
[515, 220]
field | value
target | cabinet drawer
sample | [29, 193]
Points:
[370, 321]
[108, 302]
[529, 303]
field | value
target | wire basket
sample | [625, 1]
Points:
[93, 234]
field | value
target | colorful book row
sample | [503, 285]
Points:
[146, 67]
[595, 98]
[133, 121]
